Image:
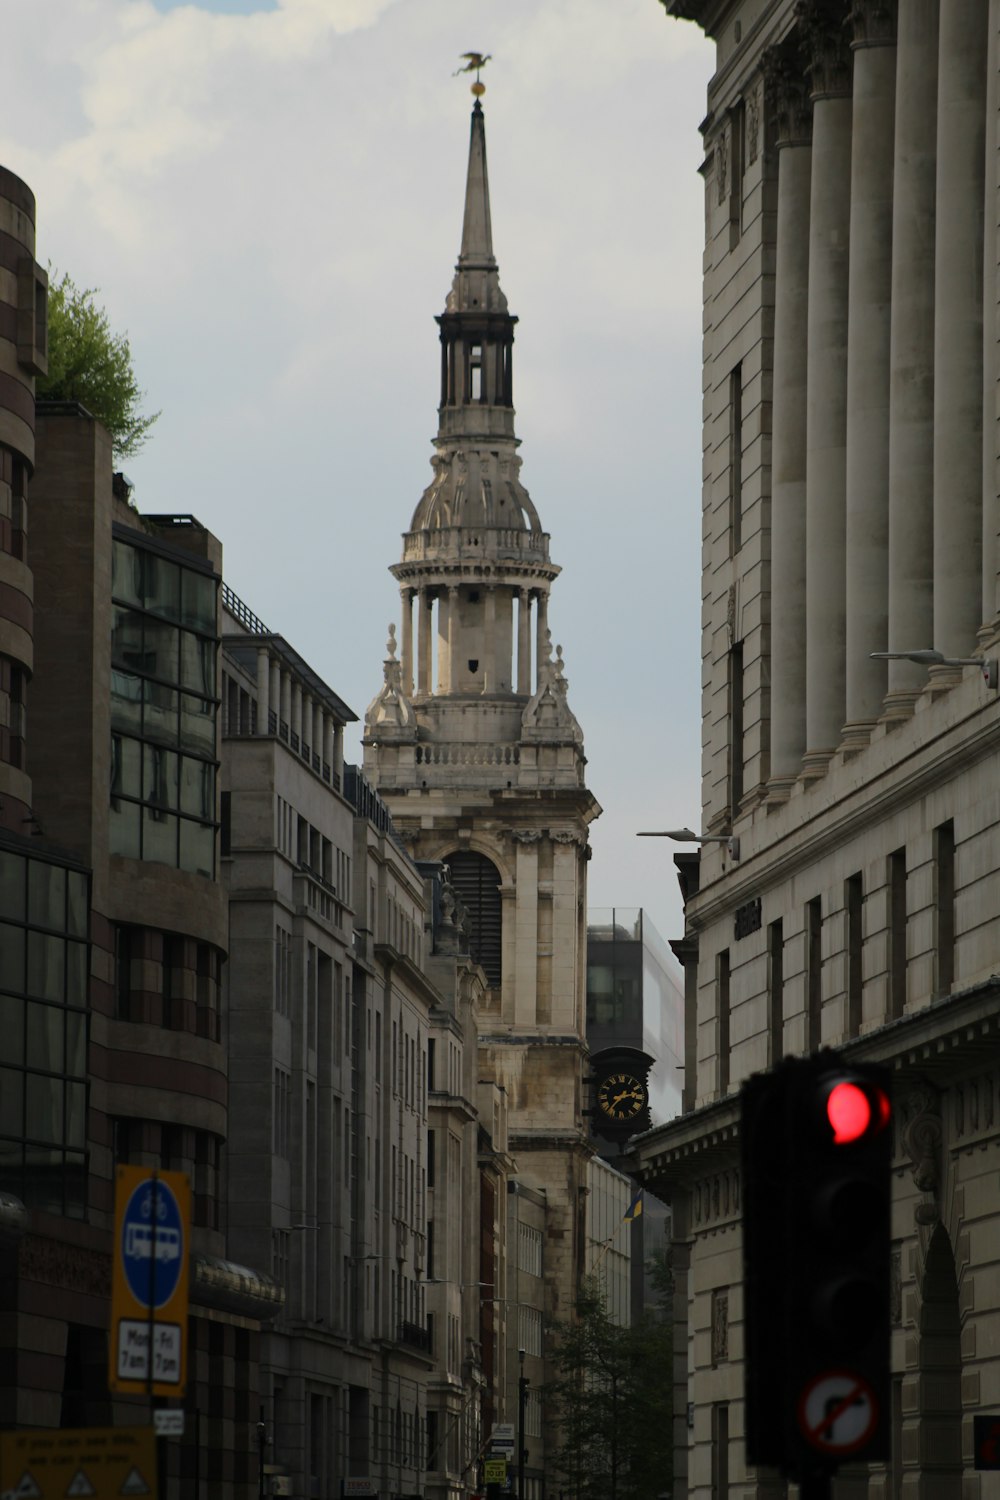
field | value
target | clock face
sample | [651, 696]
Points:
[621, 1096]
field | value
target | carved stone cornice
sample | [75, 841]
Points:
[874, 23]
[829, 60]
[786, 95]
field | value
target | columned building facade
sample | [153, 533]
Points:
[850, 510]
[473, 746]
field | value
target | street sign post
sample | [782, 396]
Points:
[149, 1292]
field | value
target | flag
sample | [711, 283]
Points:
[634, 1210]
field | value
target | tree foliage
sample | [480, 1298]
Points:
[90, 364]
[612, 1401]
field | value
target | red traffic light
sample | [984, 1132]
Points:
[855, 1111]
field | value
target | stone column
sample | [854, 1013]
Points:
[263, 688]
[526, 843]
[911, 352]
[490, 640]
[826, 395]
[338, 754]
[296, 721]
[274, 696]
[991, 333]
[423, 641]
[317, 734]
[523, 642]
[565, 985]
[286, 703]
[444, 677]
[326, 745]
[453, 623]
[541, 636]
[789, 103]
[958, 327]
[406, 616]
[868, 320]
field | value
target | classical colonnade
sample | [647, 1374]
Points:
[309, 724]
[883, 479]
[443, 614]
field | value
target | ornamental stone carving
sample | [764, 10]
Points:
[68, 1267]
[921, 1140]
[896, 1288]
[829, 60]
[722, 163]
[720, 1327]
[786, 95]
[526, 835]
[753, 122]
[874, 23]
[564, 836]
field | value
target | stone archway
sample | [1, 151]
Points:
[935, 1443]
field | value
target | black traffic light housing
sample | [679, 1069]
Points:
[817, 1156]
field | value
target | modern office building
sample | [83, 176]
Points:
[472, 745]
[850, 508]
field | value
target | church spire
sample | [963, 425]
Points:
[477, 229]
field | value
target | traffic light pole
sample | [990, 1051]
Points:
[522, 1396]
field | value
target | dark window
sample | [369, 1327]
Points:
[775, 992]
[814, 973]
[736, 747]
[944, 908]
[477, 884]
[722, 1030]
[854, 901]
[897, 932]
[736, 459]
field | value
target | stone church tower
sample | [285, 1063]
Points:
[472, 744]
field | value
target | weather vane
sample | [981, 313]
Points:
[475, 61]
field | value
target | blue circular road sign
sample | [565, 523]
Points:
[153, 1246]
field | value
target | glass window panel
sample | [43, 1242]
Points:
[159, 837]
[11, 1159]
[76, 1185]
[198, 663]
[43, 1102]
[46, 966]
[43, 1178]
[76, 1043]
[163, 586]
[126, 701]
[197, 724]
[11, 1102]
[76, 1114]
[123, 830]
[160, 646]
[160, 713]
[126, 573]
[126, 638]
[11, 957]
[11, 1029]
[125, 761]
[47, 895]
[45, 1037]
[12, 885]
[76, 973]
[159, 777]
[198, 601]
[198, 788]
[76, 905]
[197, 848]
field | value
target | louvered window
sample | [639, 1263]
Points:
[477, 882]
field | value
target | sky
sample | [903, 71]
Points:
[267, 196]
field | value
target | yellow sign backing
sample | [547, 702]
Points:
[149, 1289]
[104, 1463]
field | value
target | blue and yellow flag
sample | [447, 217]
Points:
[634, 1210]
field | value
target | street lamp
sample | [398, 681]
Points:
[522, 1397]
[927, 658]
[688, 836]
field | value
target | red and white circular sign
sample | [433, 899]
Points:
[838, 1413]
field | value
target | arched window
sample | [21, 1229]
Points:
[477, 882]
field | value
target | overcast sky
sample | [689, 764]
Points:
[268, 195]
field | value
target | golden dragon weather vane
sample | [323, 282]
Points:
[474, 61]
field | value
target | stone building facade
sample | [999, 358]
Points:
[850, 507]
[472, 745]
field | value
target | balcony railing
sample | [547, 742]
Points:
[415, 1336]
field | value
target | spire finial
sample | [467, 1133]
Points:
[475, 61]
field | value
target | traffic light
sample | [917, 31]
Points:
[817, 1152]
